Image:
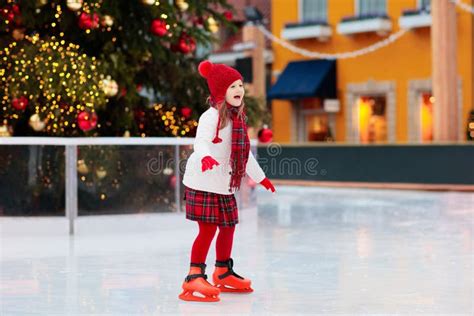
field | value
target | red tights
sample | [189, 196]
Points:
[203, 242]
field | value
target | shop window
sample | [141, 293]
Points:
[317, 128]
[426, 117]
[372, 119]
[315, 123]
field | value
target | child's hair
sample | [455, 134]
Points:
[224, 112]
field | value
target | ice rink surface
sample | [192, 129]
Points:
[315, 251]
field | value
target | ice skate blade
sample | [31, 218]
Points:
[225, 289]
[190, 297]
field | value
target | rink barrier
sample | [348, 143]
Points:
[430, 166]
[71, 144]
[380, 185]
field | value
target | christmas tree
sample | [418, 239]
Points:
[103, 67]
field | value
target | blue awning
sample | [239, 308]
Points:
[306, 79]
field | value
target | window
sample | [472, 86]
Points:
[317, 128]
[424, 4]
[314, 124]
[371, 7]
[313, 10]
[372, 119]
[426, 116]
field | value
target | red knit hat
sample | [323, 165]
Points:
[219, 77]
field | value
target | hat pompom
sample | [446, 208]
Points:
[204, 68]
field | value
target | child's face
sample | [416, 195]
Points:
[235, 93]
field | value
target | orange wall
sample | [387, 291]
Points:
[466, 61]
[283, 11]
[407, 59]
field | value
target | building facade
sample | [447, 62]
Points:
[382, 96]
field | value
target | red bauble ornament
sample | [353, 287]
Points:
[84, 21]
[20, 103]
[158, 27]
[139, 115]
[87, 121]
[7, 14]
[183, 46]
[228, 15]
[198, 22]
[10, 16]
[192, 44]
[172, 181]
[186, 44]
[95, 21]
[265, 135]
[87, 22]
[123, 92]
[16, 9]
[186, 112]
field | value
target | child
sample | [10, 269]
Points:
[214, 171]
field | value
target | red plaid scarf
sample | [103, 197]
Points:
[240, 147]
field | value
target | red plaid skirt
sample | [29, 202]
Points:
[208, 207]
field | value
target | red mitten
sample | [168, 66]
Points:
[208, 162]
[268, 185]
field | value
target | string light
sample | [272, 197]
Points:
[40, 69]
[173, 122]
[311, 54]
[463, 6]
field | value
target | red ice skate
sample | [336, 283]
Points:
[226, 280]
[196, 281]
